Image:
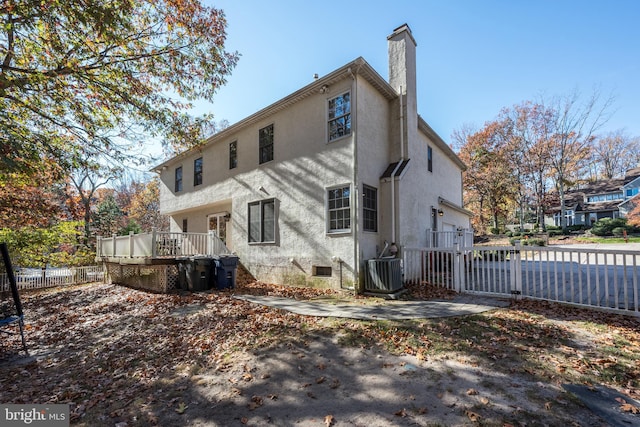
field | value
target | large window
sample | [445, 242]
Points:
[178, 182]
[369, 208]
[262, 222]
[233, 155]
[265, 140]
[605, 197]
[197, 171]
[339, 116]
[339, 209]
[429, 158]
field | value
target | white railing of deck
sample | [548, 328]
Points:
[159, 244]
[607, 279]
[449, 239]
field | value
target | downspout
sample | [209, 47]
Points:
[355, 198]
[393, 174]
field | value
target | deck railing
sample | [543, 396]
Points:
[449, 239]
[160, 244]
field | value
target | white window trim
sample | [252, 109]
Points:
[326, 210]
[326, 121]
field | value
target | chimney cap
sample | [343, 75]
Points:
[401, 29]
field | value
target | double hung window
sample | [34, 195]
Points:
[178, 179]
[265, 142]
[369, 208]
[197, 171]
[339, 209]
[339, 116]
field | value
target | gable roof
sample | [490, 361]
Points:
[601, 187]
[358, 66]
[631, 175]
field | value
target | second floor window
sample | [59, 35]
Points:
[339, 116]
[265, 142]
[178, 184]
[430, 158]
[197, 171]
[233, 155]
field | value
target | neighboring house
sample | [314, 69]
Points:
[308, 188]
[611, 198]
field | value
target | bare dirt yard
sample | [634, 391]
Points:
[124, 357]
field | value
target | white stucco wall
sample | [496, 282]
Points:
[304, 167]
[373, 159]
[419, 191]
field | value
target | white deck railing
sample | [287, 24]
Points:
[449, 239]
[160, 244]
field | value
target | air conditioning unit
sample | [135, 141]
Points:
[383, 275]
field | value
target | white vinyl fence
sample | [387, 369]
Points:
[159, 244]
[607, 279]
[35, 278]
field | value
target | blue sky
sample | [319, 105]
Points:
[474, 57]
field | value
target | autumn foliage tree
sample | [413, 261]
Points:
[488, 180]
[525, 152]
[88, 79]
[145, 207]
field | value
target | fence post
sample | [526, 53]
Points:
[516, 271]
[457, 268]
[113, 239]
[131, 244]
[154, 249]
[210, 245]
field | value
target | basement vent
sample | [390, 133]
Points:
[321, 271]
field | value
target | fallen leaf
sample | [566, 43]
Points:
[401, 413]
[627, 407]
[472, 392]
[328, 420]
[473, 416]
[181, 408]
[547, 406]
[484, 400]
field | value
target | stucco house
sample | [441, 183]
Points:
[308, 188]
[609, 198]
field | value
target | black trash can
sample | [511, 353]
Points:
[199, 273]
[182, 275]
[226, 266]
